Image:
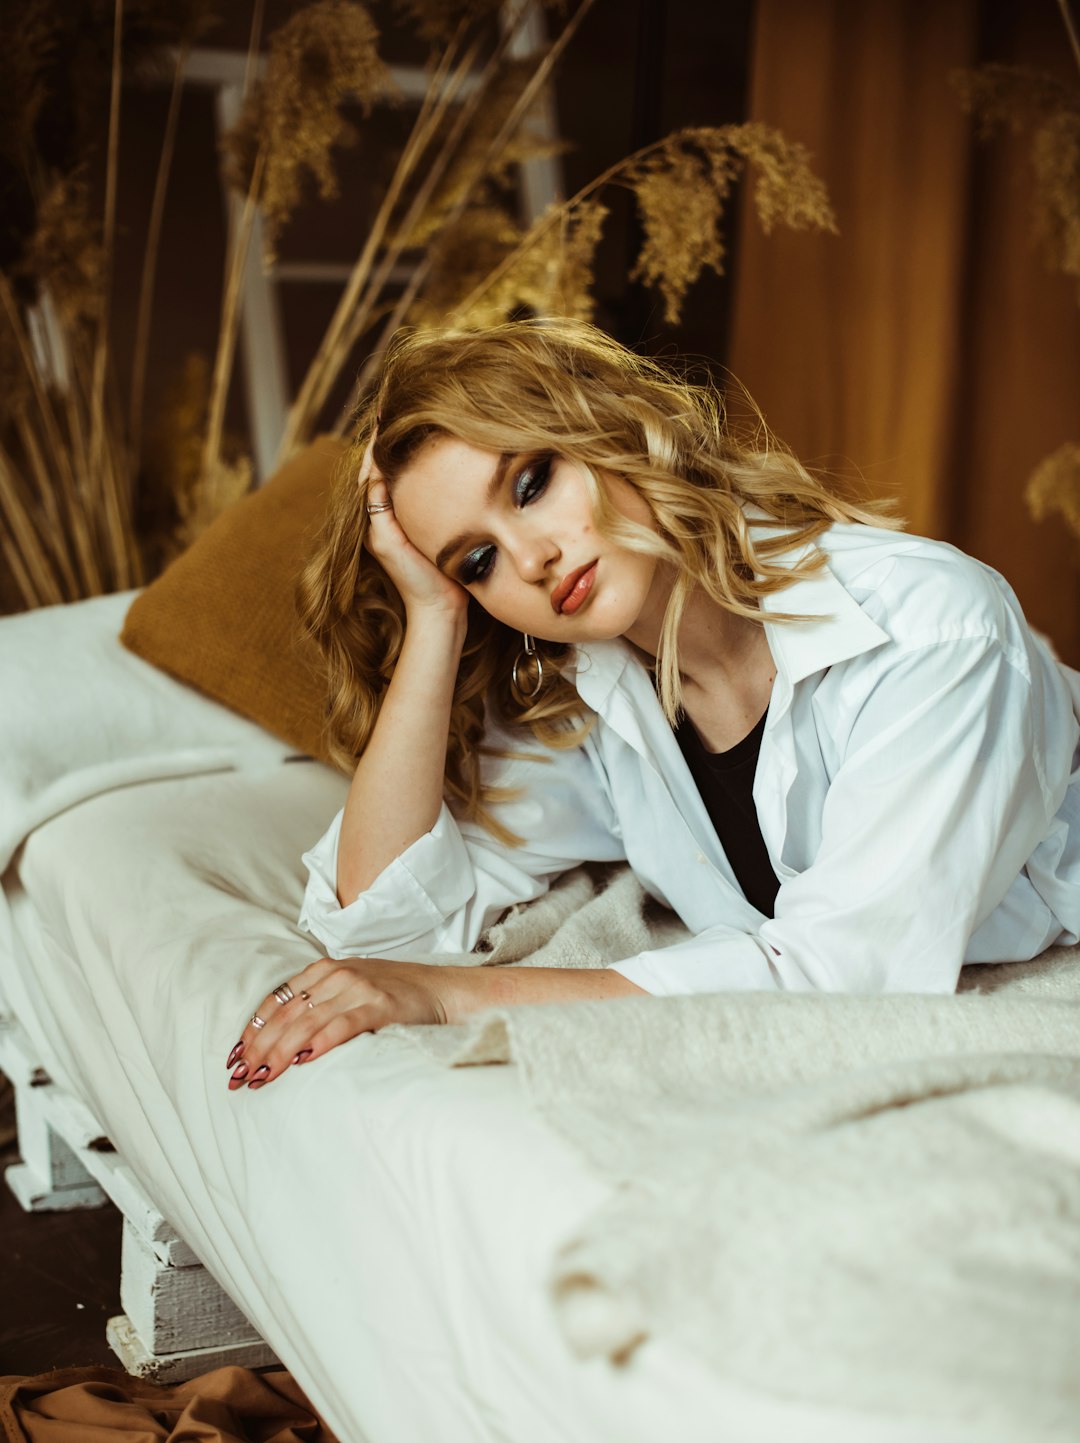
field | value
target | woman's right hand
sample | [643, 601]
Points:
[423, 588]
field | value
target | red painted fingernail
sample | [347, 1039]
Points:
[303, 1056]
[260, 1073]
[240, 1073]
[235, 1053]
[257, 1082]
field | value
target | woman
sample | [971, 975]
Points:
[570, 617]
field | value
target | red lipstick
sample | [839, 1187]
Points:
[573, 589]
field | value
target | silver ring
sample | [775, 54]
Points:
[312, 1006]
[256, 1020]
[284, 993]
[380, 506]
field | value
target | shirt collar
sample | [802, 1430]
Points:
[835, 627]
[597, 667]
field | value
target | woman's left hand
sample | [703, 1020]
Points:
[332, 1002]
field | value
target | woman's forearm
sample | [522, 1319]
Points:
[397, 789]
[465, 990]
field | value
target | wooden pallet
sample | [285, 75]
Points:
[177, 1320]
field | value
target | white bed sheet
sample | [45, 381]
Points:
[387, 1224]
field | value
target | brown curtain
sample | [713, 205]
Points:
[926, 346]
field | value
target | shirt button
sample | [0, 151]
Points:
[700, 857]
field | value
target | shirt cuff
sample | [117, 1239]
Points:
[409, 898]
[733, 962]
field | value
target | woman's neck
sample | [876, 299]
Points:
[725, 665]
[713, 642]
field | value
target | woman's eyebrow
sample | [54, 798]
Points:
[497, 478]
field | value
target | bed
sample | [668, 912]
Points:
[388, 1222]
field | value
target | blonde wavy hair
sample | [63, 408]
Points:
[555, 387]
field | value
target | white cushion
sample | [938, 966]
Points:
[79, 715]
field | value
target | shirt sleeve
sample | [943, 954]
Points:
[445, 889]
[939, 799]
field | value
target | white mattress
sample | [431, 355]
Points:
[386, 1223]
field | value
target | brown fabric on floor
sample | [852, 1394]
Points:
[105, 1405]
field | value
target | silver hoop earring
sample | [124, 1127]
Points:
[523, 658]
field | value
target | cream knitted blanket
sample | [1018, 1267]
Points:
[871, 1201]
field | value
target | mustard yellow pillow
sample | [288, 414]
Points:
[222, 616]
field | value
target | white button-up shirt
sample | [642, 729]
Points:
[917, 789]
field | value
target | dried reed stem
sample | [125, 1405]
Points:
[57, 532]
[116, 513]
[240, 244]
[107, 479]
[60, 454]
[236, 261]
[1070, 27]
[101, 343]
[328, 359]
[528, 95]
[149, 270]
[84, 511]
[22, 577]
[20, 521]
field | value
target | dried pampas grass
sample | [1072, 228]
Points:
[554, 276]
[1054, 487]
[23, 58]
[66, 255]
[437, 21]
[682, 184]
[364, 300]
[70, 461]
[324, 57]
[682, 189]
[1018, 99]
[1055, 158]
[1021, 100]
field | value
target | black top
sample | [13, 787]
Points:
[726, 782]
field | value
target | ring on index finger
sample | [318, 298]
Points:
[378, 506]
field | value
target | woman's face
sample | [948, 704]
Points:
[518, 533]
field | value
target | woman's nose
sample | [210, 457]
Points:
[534, 556]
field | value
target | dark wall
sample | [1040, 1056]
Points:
[636, 72]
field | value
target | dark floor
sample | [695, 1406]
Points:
[59, 1283]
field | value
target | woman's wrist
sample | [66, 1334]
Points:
[440, 628]
[467, 990]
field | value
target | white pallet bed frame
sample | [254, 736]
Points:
[177, 1320]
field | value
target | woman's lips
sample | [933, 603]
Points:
[573, 589]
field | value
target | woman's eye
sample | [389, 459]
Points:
[476, 565]
[528, 485]
[532, 482]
